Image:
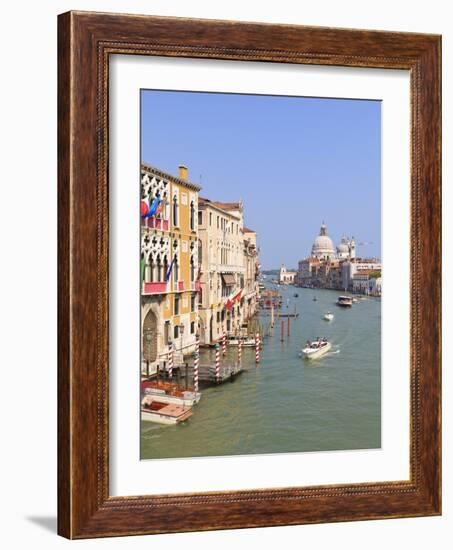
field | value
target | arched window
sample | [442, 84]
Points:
[192, 269]
[158, 269]
[175, 211]
[192, 216]
[176, 269]
[149, 270]
[165, 270]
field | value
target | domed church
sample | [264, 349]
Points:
[323, 247]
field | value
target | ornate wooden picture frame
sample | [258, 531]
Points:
[85, 507]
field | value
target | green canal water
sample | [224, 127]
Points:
[287, 404]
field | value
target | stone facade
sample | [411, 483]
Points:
[169, 251]
[228, 259]
[286, 277]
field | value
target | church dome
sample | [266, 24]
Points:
[323, 246]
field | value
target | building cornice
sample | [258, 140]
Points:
[164, 175]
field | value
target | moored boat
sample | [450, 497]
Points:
[163, 413]
[328, 316]
[344, 301]
[167, 392]
[246, 342]
[316, 349]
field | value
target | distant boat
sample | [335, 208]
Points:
[296, 295]
[246, 342]
[328, 316]
[316, 349]
[295, 314]
[315, 299]
[344, 301]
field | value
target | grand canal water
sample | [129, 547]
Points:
[287, 404]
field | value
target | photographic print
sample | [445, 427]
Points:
[261, 274]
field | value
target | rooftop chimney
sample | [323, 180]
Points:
[183, 172]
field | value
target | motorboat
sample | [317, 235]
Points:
[159, 412]
[316, 349]
[328, 316]
[168, 392]
[344, 301]
[246, 342]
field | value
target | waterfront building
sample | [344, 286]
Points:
[307, 271]
[367, 281]
[286, 277]
[222, 267]
[250, 295]
[350, 267]
[169, 267]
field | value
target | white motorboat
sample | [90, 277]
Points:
[246, 342]
[344, 301]
[316, 349]
[328, 316]
[163, 413]
[184, 398]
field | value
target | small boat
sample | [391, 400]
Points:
[296, 295]
[295, 314]
[163, 413]
[328, 316]
[168, 392]
[185, 398]
[344, 301]
[246, 342]
[316, 349]
[355, 300]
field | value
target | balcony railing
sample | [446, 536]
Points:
[156, 223]
[155, 288]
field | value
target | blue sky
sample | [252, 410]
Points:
[293, 161]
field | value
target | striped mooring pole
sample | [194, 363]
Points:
[224, 343]
[195, 363]
[257, 347]
[170, 360]
[239, 351]
[217, 362]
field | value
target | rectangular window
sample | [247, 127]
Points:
[200, 217]
[176, 305]
[210, 218]
[176, 332]
[192, 327]
[192, 302]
